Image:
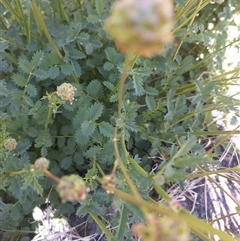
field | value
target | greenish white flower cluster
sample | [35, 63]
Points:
[10, 144]
[66, 91]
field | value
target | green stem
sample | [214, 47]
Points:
[41, 22]
[122, 81]
[115, 139]
[102, 226]
[17, 173]
[51, 176]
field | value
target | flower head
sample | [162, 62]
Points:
[142, 26]
[72, 188]
[10, 144]
[109, 183]
[41, 164]
[66, 91]
[161, 228]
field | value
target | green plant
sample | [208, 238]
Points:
[161, 107]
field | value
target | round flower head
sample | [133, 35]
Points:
[66, 91]
[142, 26]
[41, 164]
[72, 188]
[161, 228]
[109, 183]
[10, 144]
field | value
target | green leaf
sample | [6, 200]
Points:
[40, 74]
[93, 18]
[93, 151]
[180, 2]
[89, 48]
[186, 64]
[66, 69]
[83, 37]
[3, 46]
[88, 128]
[19, 80]
[80, 138]
[131, 125]
[95, 111]
[52, 58]
[23, 146]
[37, 58]
[106, 129]
[66, 162]
[122, 225]
[138, 84]
[186, 147]
[94, 87]
[31, 90]
[99, 6]
[44, 151]
[109, 85]
[3, 89]
[187, 161]
[76, 54]
[108, 66]
[151, 91]
[151, 104]
[25, 66]
[15, 215]
[27, 181]
[76, 68]
[53, 72]
[82, 210]
[37, 187]
[78, 158]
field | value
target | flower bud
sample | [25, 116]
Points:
[10, 144]
[41, 164]
[72, 188]
[66, 91]
[142, 26]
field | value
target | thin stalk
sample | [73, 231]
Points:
[62, 11]
[44, 27]
[115, 139]
[219, 186]
[51, 176]
[222, 140]
[226, 170]
[196, 11]
[204, 4]
[102, 226]
[132, 63]
[11, 9]
[24, 21]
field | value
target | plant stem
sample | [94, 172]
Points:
[51, 176]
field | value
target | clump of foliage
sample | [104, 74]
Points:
[61, 99]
